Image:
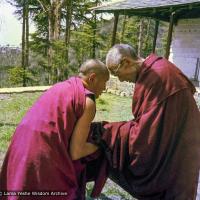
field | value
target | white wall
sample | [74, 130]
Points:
[185, 46]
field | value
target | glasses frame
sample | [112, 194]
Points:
[114, 71]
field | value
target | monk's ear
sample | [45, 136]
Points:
[92, 77]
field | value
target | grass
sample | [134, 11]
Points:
[113, 108]
[13, 108]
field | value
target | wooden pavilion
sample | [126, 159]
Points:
[183, 41]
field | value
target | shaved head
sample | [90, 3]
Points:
[94, 75]
[93, 66]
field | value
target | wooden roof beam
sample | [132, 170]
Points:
[156, 16]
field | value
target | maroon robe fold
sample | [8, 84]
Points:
[157, 155]
[38, 158]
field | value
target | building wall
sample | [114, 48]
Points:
[185, 46]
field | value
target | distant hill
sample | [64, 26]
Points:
[10, 56]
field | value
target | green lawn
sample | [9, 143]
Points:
[113, 108]
[13, 107]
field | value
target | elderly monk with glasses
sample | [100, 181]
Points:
[155, 156]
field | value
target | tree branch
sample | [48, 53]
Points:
[42, 5]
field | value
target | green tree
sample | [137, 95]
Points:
[69, 32]
[23, 13]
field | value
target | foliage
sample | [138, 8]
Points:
[59, 62]
[16, 76]
[90, 36]
[81, 43]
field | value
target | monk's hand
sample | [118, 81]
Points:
[97, 130]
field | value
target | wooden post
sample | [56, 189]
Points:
[94, 36]
[155, 35]
[169, 37]
[140, 37]
[116, 17]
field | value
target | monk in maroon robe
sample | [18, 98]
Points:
[44, 157]
[157, 154]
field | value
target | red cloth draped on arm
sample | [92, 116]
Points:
[157, 155]
[38, 158]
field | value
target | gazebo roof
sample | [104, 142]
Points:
[157, 9]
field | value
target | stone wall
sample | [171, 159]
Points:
[114, 86]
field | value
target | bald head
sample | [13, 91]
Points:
[94, 75]
[93, 66]
[119, 51]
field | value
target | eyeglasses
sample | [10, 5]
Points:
[114, 71]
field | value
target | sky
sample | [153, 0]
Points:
[10, 26]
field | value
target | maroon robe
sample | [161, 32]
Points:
[157, 155]
[38, 158]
